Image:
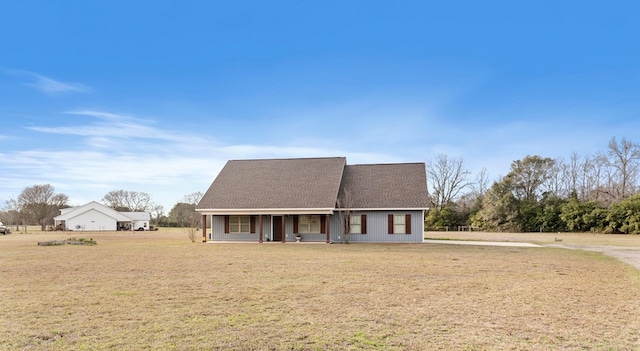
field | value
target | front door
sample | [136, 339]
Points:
[277, 228]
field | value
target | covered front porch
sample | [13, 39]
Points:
[272, 227]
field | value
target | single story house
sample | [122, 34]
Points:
[316, 199]
[97, 217]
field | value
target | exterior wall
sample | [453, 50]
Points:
[91, 220]
[217, 231]
[290, 235]
[377, 228]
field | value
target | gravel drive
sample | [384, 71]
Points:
[629, 255]
[481, 243]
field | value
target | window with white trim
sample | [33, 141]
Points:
[239, 224]
[308, 224]
[355, 224]
[399, 225]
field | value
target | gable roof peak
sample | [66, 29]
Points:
[276, 184]
[392, 185]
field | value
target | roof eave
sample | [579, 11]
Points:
[385, 209]
[264, 211]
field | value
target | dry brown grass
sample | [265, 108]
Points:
[159, 291]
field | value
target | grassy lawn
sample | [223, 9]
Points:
[159, 291]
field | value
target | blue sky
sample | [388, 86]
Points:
[155, 96]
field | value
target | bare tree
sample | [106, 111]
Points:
[344, 204]
[128, 200]
[572, 174]
[193, 198]
[623, 159]
[185, 213]
[556, 182]
[481, 184]
[12, 215]
[466, 202]
[447, 177]
[586, 182]
[40, 203]
[593, 171]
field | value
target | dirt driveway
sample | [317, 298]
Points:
[629, 255]
[626, 248]
[480, 243]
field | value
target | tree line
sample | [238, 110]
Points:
[39, 204]
[598, 193]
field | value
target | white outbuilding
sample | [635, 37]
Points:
[97, 217]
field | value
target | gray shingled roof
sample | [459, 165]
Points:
[388, 186]
[315, 183]
[276, 184]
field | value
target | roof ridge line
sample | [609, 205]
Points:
[291, 158]
[388, 164]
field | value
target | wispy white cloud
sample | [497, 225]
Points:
[292, 151]
[108, 130]
[48, 85]
[112, 151]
